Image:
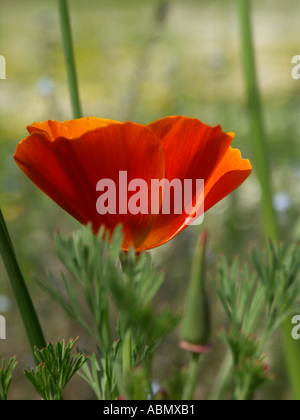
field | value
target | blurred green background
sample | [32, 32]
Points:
[141, 60]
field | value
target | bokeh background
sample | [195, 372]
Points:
[141, 60]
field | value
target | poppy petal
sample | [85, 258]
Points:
[68, 171]
[193, 150]
[231, 172]
[69, 129]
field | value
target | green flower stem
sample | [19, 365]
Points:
[292, 359]
[257, 124]
[192, 375]
[126, 352]
[127, 340]
[196, 327]
[69, 57]
[223, 380]
[105, 333]
[28, 313]
[292, 347]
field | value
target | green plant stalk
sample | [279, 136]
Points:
[196, 326]
[31, 322]
[256, 120]
[292, 359]
[127, 340]
[223, 380]
[192, 376]
[148, 367]
[69, 57]
[292, 348]
[105, 333]
[126, 352]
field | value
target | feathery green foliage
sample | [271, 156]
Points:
[6, 377]
[270, 294]
[56, 368]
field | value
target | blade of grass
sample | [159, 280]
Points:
[256, 121]
[69, 57]
[28, 313]
[292, 347]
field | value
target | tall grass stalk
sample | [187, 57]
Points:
[262, 167]
[69, 57]
[27, 310]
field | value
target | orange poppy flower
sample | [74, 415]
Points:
[66, 161]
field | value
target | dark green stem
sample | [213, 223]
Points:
[28, 313]
[69, 57]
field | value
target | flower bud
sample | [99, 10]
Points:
[196, 328]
